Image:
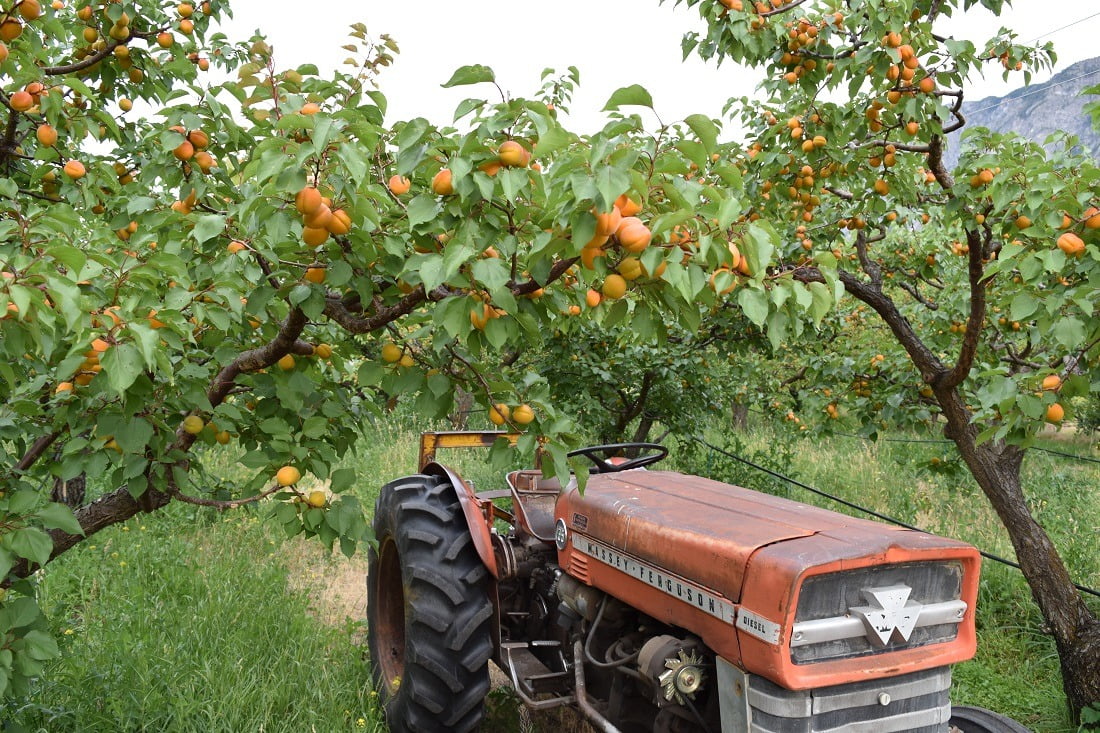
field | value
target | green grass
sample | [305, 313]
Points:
[178, 622]
[195, 621]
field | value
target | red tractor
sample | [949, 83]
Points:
[659, 601]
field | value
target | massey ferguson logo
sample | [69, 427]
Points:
[890, 613]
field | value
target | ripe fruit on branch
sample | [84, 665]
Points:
[288, 476]
[193, 424]
[627, 206]
[499, 413]
[308, 200]
[74, 169]
[391, 353]
[512, 154]
[634, 237]
[1071, 244]
[21, 101]
[46, 134]
[184, 151]
[1055, 413]
[607, 223]
[614, 286]
[317, 499]
[523, 415]
[399, 185]
[286, 363]
[1052, 382]
[443, 183]
[314, 237]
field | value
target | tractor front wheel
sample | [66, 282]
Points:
[428, 610]
[979, 720]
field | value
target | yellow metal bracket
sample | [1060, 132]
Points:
[431, 442]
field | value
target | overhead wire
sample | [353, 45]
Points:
[1049, 86]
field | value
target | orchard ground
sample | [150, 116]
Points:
[193, 620]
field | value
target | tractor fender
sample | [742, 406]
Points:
[476, 520]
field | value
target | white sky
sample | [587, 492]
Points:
[614, 43]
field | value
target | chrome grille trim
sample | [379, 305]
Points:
[839, 628]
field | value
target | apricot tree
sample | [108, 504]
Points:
[188, 263]
[984, 275]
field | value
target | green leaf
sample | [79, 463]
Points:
[1069, 332]
[822, 301]
[611, 183]
[491, 272]
[342, 479]
[122, 363]
[60, 516]
[631, 95]
[207, 227]
[32, 544]
[431, 272]
[422, 209]
[1023, 305]
[755, 304]
[40, 645]
[474, 74]
[705, 129]
[7, 561]
[552, 137]
[134, 435]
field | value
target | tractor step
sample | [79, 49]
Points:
[531, 677]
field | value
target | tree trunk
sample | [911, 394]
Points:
[641, 433]
[740, 416]
[1076, 630]
[460, 416]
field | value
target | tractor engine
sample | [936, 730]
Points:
[658, 601]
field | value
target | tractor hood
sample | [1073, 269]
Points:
[804, 596]
[698, 528]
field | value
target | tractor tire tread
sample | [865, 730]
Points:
[448, 611]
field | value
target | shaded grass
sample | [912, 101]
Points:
[169, 626]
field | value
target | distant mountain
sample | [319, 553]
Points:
[1040, 110]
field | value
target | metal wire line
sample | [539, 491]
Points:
[871, 512]
[1033, 92]
[944, 441]
[1068, 25]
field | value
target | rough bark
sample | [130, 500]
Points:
[1075, 629]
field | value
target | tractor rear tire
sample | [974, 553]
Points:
[979, 720]
[428, 610]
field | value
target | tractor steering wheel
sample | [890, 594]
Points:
[600, 455]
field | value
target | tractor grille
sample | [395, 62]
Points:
[912, 703]
[836, 611]
[578, 566]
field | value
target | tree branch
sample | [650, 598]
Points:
[223, 505]
[969, 347]
[36, 450]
